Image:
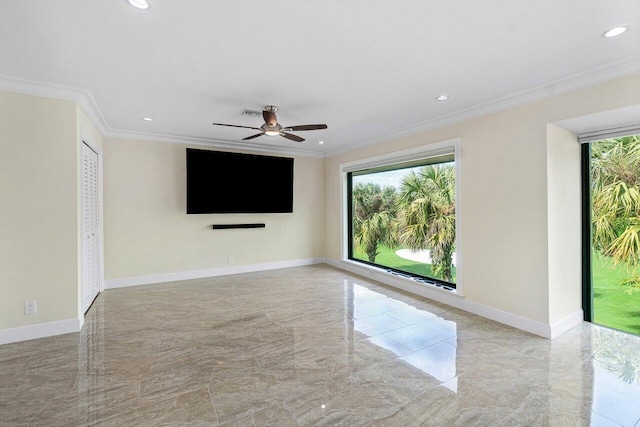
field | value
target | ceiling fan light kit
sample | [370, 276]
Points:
[139, 4]
[271, 127]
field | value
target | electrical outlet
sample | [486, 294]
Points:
[30, 307]
[229, 260]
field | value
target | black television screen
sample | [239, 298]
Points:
[223, 182]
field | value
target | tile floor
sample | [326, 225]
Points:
[311, 346]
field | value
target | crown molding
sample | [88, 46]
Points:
[207, 142]
[575, 82]
[85, 100]
[90, 108]
[82, 97]
[38, 88]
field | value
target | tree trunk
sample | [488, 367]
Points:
[372, 251]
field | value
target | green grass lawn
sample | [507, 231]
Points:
[612, 306]
[388, 257]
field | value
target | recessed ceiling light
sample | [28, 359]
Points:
[442, 98]
[147, 119]
[139, 4]
[616, 31]
[320, 142]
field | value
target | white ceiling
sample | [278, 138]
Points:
[369, 69]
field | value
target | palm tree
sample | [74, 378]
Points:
[615, 187]
[374, 213]
[428, 215]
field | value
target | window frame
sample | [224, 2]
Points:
[424, 152]
[585, 140]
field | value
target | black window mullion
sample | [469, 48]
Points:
[587, 280]
[350, 214]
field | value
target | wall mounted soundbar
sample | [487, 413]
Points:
[226, 226]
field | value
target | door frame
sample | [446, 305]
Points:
[89, 141]
[587, 281]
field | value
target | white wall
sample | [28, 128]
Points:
[147, 230]
[511, 217]
[38, 209]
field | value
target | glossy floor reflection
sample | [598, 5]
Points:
[311, 346]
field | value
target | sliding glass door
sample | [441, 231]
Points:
[611, 228]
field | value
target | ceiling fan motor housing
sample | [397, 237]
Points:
[271, 127]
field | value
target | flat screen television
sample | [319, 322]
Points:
[220, 182]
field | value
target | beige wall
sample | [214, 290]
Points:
[147, 230]
[564, 219]
[38, 209]
[505, 217]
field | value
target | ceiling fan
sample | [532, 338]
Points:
[271, 127]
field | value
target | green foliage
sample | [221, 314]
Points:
[427, 215]
[374, 213]
[421, 215]
[631, 283]
[615, 186]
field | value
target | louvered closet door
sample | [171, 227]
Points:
[90, 227]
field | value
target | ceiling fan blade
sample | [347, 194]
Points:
[236, 126]
[270, 117]
[305, 127]
[253, 136]
[292, 137]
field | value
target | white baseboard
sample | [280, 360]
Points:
[40, 330]
[458, 301]
[212, 272]
[563, 325]
[453, 299]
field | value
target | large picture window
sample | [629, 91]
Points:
[401, 216]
